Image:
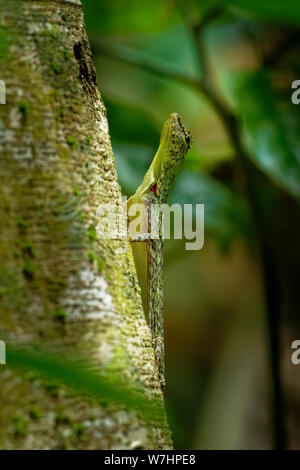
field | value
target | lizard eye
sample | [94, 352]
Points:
[188, 139]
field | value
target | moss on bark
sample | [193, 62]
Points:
[57, 282]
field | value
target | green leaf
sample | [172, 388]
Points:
[267, 133]
[68, 368]
[130, 124]
[117, 16]
[132, 162]
[226, 214]
[134, 141]
[167, 55]
[287, 11]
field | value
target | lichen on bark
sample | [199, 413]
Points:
[58, 282]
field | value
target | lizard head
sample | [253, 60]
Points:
[174, 143]
[175, 134]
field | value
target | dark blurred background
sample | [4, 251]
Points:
[231, 309]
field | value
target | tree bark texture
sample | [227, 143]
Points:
[58, 282]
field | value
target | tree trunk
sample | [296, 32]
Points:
[58, 282]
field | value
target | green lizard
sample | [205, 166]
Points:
[148, 251]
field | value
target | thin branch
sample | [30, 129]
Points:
[133, 57]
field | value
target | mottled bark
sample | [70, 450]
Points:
[58, 282]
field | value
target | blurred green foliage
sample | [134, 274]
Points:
[270, 131]
[67, 368]
[270, 10]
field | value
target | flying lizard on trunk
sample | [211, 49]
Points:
[148, 249]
